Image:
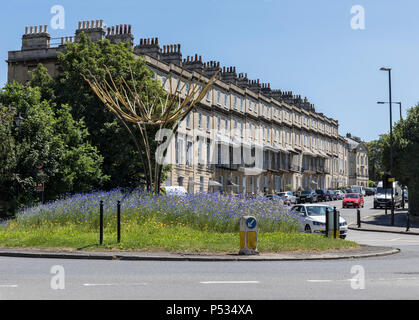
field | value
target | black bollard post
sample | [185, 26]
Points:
[358, 217]
[336, 222]
[101, 223]
[119, 221]
[327, 222]
[408, 222]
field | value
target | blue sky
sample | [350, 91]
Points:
[303, 46]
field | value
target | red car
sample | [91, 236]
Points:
[355, 200]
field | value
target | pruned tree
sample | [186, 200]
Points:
[136, 103]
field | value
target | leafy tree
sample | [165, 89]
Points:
[49, 138]
[122, 162]
[40, 78]
[8, 178]
[375, 156]
[405, 156]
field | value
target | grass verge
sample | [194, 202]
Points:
[156, 236]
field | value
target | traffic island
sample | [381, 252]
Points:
[363, 251]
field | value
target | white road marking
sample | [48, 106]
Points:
[113, 284]
[319, 281]
[8, 285]
[228, 282]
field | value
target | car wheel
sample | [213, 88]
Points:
[343, 237]
[307, 229]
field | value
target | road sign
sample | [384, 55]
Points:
[251, 223]
[40, 187]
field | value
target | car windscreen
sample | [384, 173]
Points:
[382, 190]
[306, 192]
[317, 210]
[351, 196]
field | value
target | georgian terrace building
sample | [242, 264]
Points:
[239, 123]
[358, 161]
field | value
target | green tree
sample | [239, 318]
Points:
[8, 178]
[405, 156]
[122, 162]
[375, 156]
[40, 78]
[49, 138]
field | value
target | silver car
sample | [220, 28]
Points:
[288, 197]
[339, 194]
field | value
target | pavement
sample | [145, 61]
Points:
[382, 223]
[364, 251]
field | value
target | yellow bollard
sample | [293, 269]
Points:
[248, 236]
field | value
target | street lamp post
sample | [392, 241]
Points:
[400, 107]
[391, 141]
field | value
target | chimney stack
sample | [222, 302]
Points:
[194, 63]
[149, 47]
[93, 29]
[171, 54]
[121, 33]
[229, 75]
[36, 37]
[211, 68]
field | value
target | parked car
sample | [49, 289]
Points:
[308, 196]
[288, 197]
[331, 195]
[174, 191]
[322, 195]
[369, 191]
[355, 200]
[339, 194]
[312, 218]
[273, 197]
[358, 189]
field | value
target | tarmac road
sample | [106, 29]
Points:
[390, 277]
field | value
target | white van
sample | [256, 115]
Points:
[382, 197]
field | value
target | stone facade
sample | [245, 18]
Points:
[358, 161]
[300, 148]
